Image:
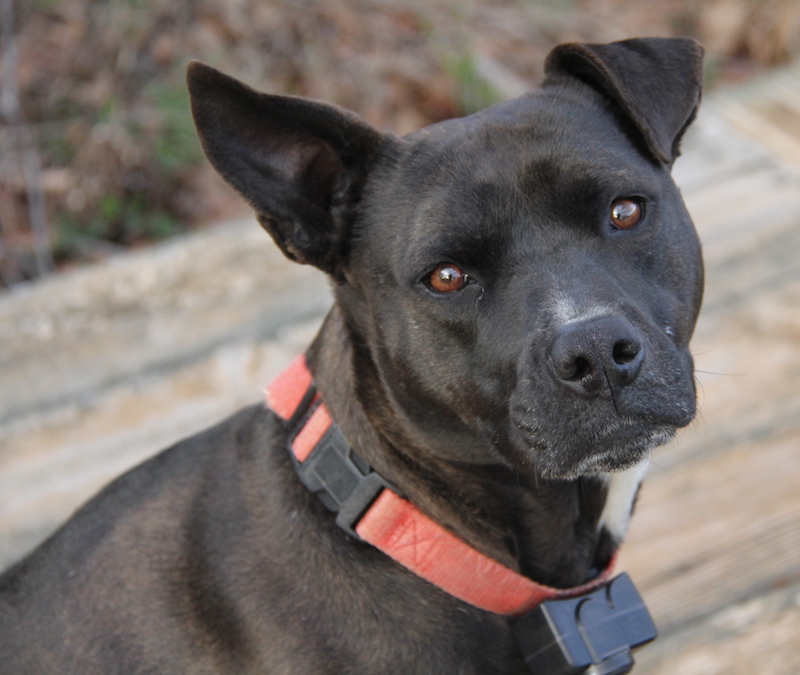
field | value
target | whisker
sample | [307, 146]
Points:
[711, 372]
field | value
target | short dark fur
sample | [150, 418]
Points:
[495, 409]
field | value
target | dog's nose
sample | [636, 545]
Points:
[592, 356]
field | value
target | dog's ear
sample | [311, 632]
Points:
[656, 82]
[299, 163]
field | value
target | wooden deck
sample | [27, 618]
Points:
[95, 380]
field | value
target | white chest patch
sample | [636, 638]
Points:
[622, 489]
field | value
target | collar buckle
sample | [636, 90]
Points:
[340, 478]
[591, 634]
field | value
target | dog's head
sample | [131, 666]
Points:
[519, 286]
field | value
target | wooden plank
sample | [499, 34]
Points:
[714, 152]
[759, 636]
[80, 331]
[766, 122]
[712, 532]
[768, 111]
[746, 354]
[51, 464]
[731, 215]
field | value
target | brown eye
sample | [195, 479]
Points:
[625, 213]
[447, 279]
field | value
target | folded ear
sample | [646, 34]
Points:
[656, 82]
[299, 163]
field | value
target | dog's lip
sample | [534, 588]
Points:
[612, 447]
[623, 457]
[602, 433]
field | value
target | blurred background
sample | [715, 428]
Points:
[140, 301]
[97, 146]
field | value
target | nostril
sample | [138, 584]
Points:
[625, 351]
[581, 367]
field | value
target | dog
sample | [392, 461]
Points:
[515, 292]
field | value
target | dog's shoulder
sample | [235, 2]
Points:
[119, 549]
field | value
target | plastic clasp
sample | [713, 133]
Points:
[592, 634]
[342, 480]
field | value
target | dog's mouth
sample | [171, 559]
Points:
[616, 447]
[562, 433]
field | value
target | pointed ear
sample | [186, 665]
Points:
[656, 82]
[300, 164]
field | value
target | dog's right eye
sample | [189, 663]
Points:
[447, 278]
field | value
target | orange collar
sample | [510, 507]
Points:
[372, 510]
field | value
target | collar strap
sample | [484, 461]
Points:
[372, 510]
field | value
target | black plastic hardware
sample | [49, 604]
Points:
[591, 634]
[341, 479]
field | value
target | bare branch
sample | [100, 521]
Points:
[28, 153]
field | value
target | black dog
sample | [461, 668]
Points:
[514, 296]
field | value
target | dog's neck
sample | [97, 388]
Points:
[550, 531]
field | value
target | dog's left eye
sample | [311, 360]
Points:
[626, 213]
[447, 278]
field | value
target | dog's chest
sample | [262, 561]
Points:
[621, 492]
